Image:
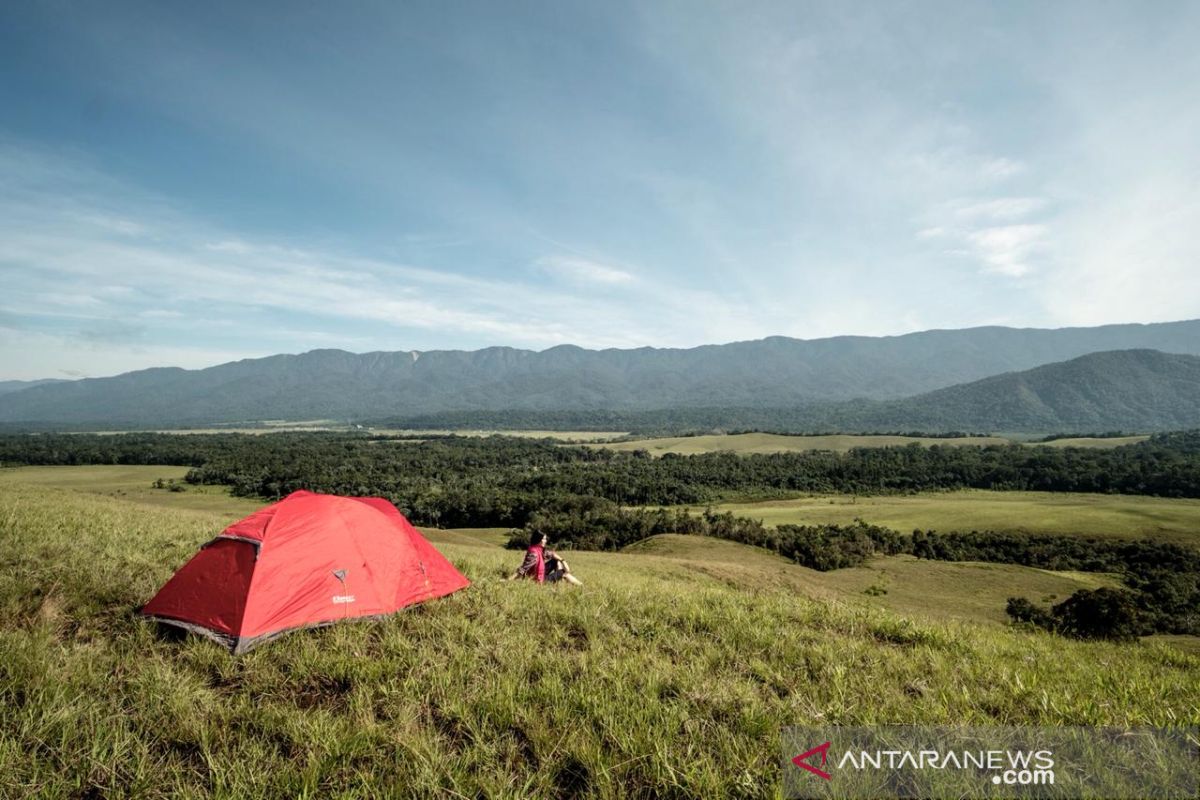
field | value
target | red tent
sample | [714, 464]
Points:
[310, 559]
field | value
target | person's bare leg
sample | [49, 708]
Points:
[569, 578]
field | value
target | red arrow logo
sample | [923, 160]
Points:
[801, 760]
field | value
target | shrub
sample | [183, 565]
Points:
[1102, 613]
[1023, 611]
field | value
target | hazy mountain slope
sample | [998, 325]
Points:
[1131, 390]
[1120, 390]
[770, 373]
[15, 386]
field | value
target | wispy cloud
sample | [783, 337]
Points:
[1001, 208]
[998, 169]
[1002, 235]
[585, 270]
[179, 278]
[677, 178]
[1007, 249]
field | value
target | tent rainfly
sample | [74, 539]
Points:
[307, 560]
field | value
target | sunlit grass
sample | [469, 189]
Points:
[1098, 515]
[779, 443]
[657, 679]
[747, 443]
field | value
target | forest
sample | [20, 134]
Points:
[503, 481]
[581, 496]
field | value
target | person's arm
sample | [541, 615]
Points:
[527, 565]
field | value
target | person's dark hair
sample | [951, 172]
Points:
[536, 538]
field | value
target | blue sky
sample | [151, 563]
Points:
[191, 183]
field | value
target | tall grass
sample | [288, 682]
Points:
[654, 680]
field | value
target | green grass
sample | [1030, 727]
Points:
[747, 443]
[476, 537]
[1100, 515]
[912, 587]
[666, 676]
[1094, 442]
[134, 484]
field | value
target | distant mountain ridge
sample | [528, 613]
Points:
[777, 372]
[1122, 390]
[1141, 390]
[16, 386]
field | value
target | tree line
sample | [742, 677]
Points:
[503, 481]
[579, 495]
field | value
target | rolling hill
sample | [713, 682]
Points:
[819, 377]
[669, 675]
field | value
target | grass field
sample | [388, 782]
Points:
[934, 590]
[778, 443]
[747, 443]
[1101, 515]
[1094, 442]
[668, 675]
[134, 484]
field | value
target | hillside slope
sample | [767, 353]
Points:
[1136, 390]
[655, 680]
[771, 373]
[7, 387]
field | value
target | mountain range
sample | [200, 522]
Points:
[1134, 377]
[1130, 390]
[16, 386]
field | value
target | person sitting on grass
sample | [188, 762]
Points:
[544, 565]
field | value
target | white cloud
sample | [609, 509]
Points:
[68, 300]
[575, 268]
[997, 233]
[235, 288]
[1134, 255]
[31, 355]
[999, 169]
[230, 246]
[113, 224]
[1007, 249]
[1002, 208]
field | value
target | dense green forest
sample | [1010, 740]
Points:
[504, 481]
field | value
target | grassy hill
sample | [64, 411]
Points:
[668, 675]
[838, 443]
[777, 443]
[1115, 516]
[930, 590]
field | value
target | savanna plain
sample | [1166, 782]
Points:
[669, 674]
